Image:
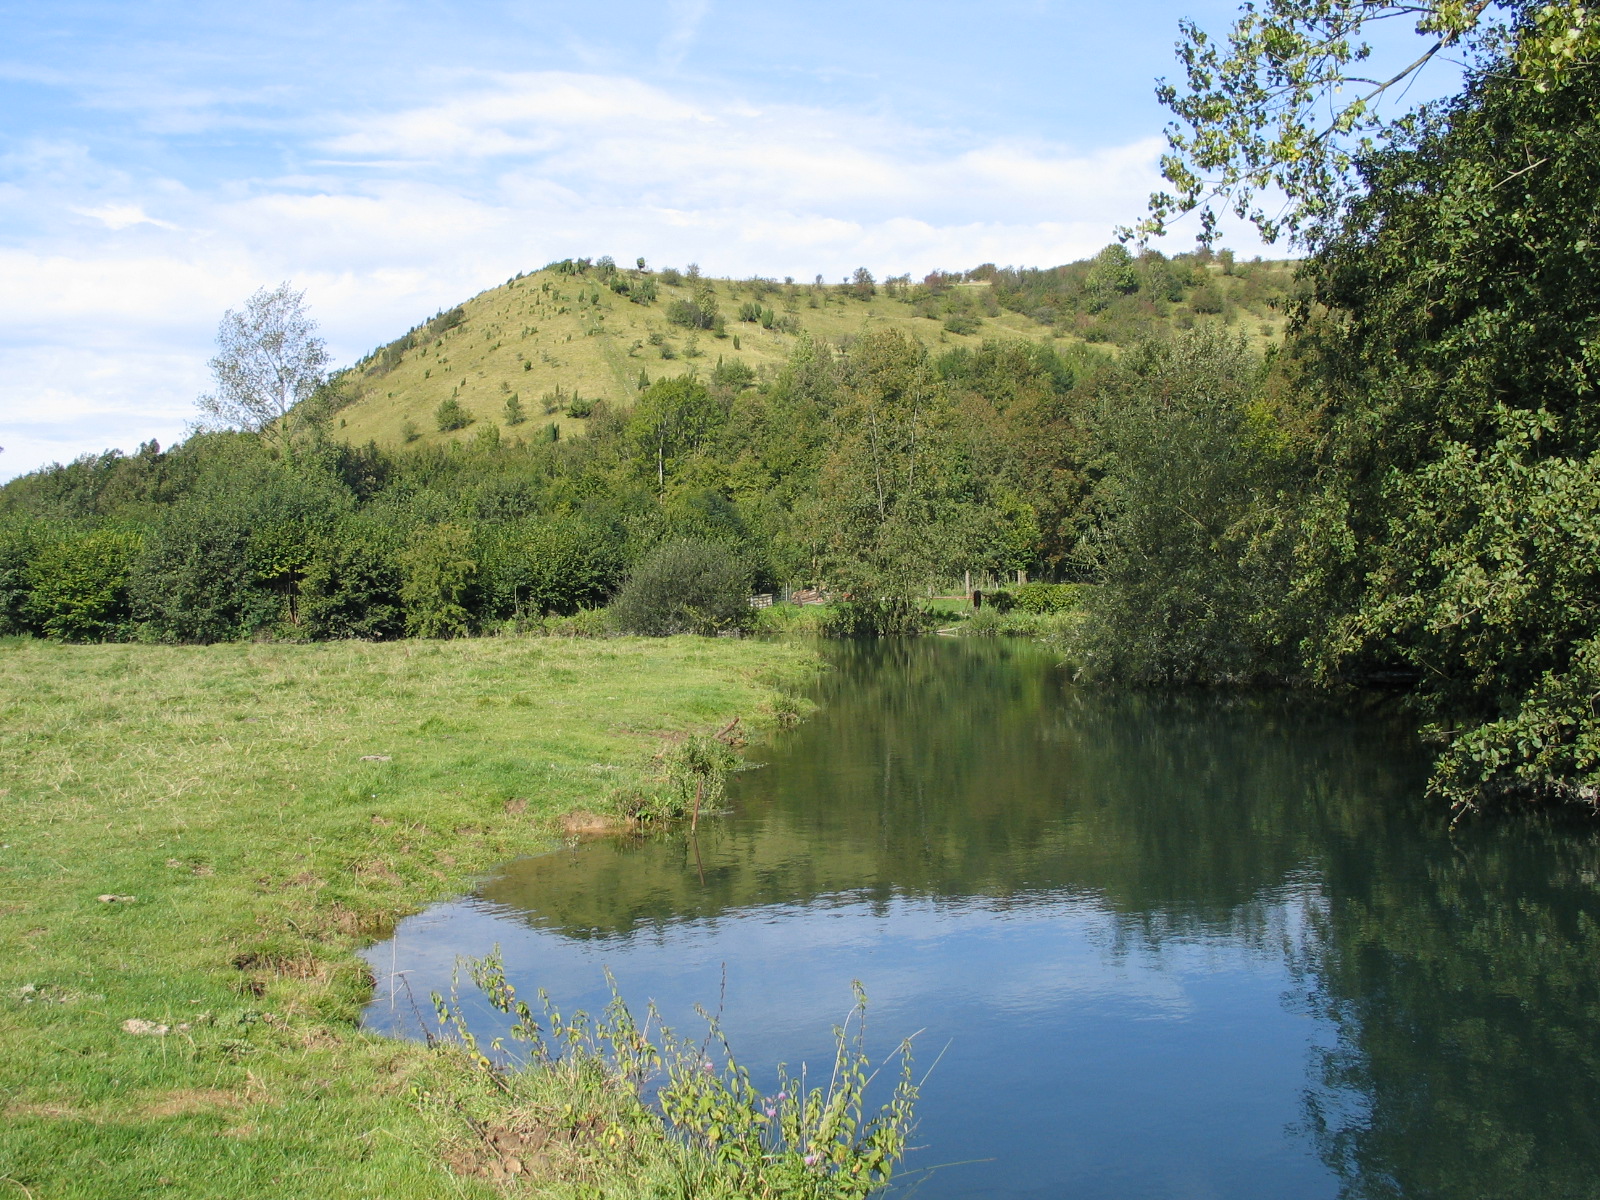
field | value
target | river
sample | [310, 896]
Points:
[1182, 946]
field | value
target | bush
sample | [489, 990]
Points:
[538, 567]
[78, 587]
[733, 373]
[962, 323]
[439, 576]
[1001, 602]
[685, 587]
[585, 623]
[884, 617]
[195, 581]
[20, 541]
[690, 315]
[450, 416]
[351, 589]
[1047, 597]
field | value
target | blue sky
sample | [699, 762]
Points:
[161, 160]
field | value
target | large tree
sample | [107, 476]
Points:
[1457, 528]
[269, 362]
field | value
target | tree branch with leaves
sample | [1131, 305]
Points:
[1271, 119]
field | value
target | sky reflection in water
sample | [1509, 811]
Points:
[1167, 947]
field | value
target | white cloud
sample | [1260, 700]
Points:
[121, 216]
[687, 17]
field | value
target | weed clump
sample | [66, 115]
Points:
[715, 1131]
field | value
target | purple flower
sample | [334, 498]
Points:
[811, 1160]
[782, 1096]
[707, 1068]
[771, 1112]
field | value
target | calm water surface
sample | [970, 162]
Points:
[1168, 947]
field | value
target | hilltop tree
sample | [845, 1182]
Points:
[269, 362]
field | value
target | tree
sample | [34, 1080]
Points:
[670, 422]
[440, 571]
[269, 362]
[894, 507]
[1286, 103]
[450, 415]
[1456, 534]
[1112, 276]
[1184, 545]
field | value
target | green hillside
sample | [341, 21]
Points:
[579, 331]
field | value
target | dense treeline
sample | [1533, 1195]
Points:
[877, 471]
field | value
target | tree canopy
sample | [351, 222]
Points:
[1272, 119]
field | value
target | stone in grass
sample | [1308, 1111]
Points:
[112, 898]
[376, 757]
[141, 1028]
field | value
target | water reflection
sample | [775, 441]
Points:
[1175, 945]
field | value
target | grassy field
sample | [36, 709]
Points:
[200, 838]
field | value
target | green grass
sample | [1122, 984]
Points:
[226, 791]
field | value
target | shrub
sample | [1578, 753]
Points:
[1001, 602]
[78, 587]
[685, 587]
[1047, 597]
[351, 588]
[886, 616]
[671, 276]
[439, 575]
[1206, 299]
[962, 323]
[451, 416]
[585, 623]
[20, 541]
[643, 291]
[689, 315]
[537, 567]
[733, 373]
[514, 413]
[194, 581]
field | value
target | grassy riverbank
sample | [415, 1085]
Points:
[201, 838]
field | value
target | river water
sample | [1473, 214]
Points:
[1178, 947]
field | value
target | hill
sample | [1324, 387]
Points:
[556, 340]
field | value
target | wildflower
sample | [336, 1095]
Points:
[771, 1112]
[707, 1067]
[811, 1160]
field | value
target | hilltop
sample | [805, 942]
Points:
[556, 340]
